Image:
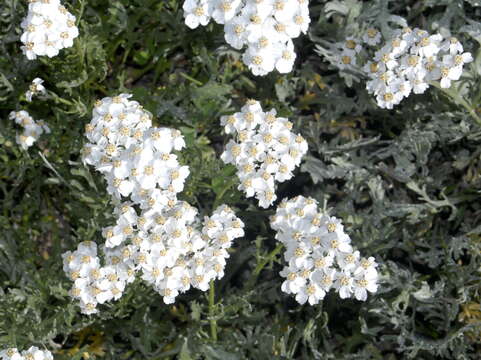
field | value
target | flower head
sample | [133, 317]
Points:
[264, 152]
[265, 28]
[319, 256]
[48, 28]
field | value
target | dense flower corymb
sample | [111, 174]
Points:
[409, 61]
[155, 234]
[33, 353]
[48, 28]
[265, 150]
[405, 64]
[266, 27]
[319, 254]
[31, 129]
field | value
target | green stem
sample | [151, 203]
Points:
[195, 81]
[213, 321]
[81, 12]
[220, 195]
[63, 101]
[459, 100]
[262, 264]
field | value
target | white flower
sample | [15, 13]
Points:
[10, 354]
[286, 59]
[319, 254]
[452, 68]
[427, 45]
[35, 353]
[364, 281]
[155, 233]
[453, 46]
[346, 59]
[408, 61]
[196, 13]
[372, 36]
[48, 28]
[387, 57]
[387, 99]
[344, 284]
[312, 293]
[235, 32]
[352, 45]
[32, 129]
[260, 62]
[224, 10]
[294, 282]
[35, 88]
[265, 150]
[419, 85]
[266, 27]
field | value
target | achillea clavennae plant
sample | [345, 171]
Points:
[31, 129]
[265, 27]
[407, 62]
[319, 254]
[33, 353]
[264, 151]
[48, 28]
[155, 233]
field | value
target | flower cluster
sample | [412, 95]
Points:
[319, 254]
[266, 27]
[265, 150]
[410, 61]
[35, 89]
[31, 129]
[155, 233]
[93, 283]
[135, 158]
[33, 353]
[48, 28]
[406, 63]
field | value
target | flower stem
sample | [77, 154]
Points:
[458, 99]
[213, 321]
[262, 264]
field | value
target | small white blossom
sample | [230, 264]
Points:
[31, 129]
[35, 88]
[33, 353]
[371, 37]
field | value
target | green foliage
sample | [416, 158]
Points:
[406, 182]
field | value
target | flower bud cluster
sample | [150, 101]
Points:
[33, 353]
[31, 129]
[264, 151]
[155, 234]
[319, 254]
[266, 27]
[35, 89]
[48, 28]
[405, 64]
